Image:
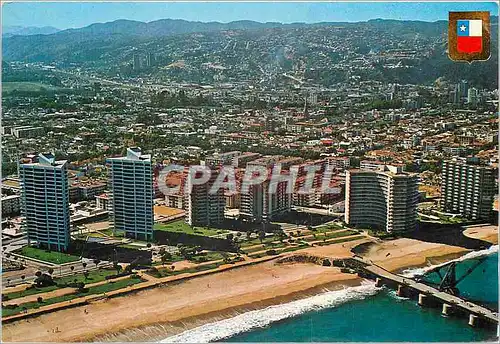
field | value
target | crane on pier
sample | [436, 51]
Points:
[449, 280]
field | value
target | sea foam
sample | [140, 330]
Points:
[471, 255]
[260, 318]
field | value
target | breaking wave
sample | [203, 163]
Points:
[474, 254]
[260, 318]
[263, 317]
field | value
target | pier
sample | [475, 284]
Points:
[426, 295]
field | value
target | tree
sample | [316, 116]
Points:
[97, 261]
[165, 257]
[51, 271]
[38, 273]
[85, 274]
[117, 267]
[23, 277]
[39, 299]
[72, 267]
[84, 265]
[262, 236]
[81, 287]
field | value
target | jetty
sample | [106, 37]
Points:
[428, 296]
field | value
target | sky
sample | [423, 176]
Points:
[63, 15]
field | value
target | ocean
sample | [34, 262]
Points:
[360, 314]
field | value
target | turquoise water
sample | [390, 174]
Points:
[384, 317]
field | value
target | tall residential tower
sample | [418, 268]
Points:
[468, 189]
[383, 199]
[131, 185]
[45, 201]
[205, 208]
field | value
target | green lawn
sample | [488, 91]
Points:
[28, 292]
[207, 256]
[46, 256]
[175, 258]
[109, 232]
[245, 243]
[93, 277]
[357, 237]
[331, 235]
[163, 272]
[182, 227]
[328, 228]
[93, 290]
[268, 246]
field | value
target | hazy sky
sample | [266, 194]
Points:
[77, 14]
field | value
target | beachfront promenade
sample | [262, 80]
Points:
[148, 283]
[427, 295]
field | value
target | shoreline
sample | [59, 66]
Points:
[152, 332]
[158, 313]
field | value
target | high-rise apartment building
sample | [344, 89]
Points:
[205, 208]
[468, 189]
[45, 201]
[472, 96]
[261, 205]
[131, 186]
[381, 199]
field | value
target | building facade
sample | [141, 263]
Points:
[205, 208]
[385, 199]
[45, 202]
[260, 205]
[131, 196]
[468, 189]
[11, 205]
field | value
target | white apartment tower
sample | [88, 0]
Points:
[131, 185]
[383, 199]
[468, 189]
[45, 202]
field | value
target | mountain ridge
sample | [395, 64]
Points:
[13, 30]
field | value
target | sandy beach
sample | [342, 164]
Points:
[487, 233]
[154, 314]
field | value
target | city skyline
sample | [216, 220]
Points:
[65, 15]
